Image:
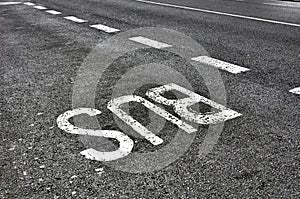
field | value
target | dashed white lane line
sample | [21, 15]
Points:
[295, 91]
[105, 28]
[232, 68]
[75, 19]
[219, 13]
[149, 42]
[40, 7]
[53, 12]
[9, 3]
[29, 4]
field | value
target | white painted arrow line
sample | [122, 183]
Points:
[105, 28]
[295, 91]
[232, 68]
[150, 42]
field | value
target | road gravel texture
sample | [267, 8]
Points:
[257, 154]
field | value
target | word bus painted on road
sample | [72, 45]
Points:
[180, 106]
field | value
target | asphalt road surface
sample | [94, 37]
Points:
[46, 44]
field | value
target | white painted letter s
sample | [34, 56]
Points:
[125, 143]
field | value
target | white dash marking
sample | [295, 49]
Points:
[232, 68]
[29, 4]
[295, 91]
[8, 3]
[75, 19]
[40, 7]
[53, 12]
[105, 28]
[150, 42]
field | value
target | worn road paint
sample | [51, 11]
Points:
[40, 7]
[295, 91]
[105, 28]
[232, 68]
[29, 4]
[114, 106]
[220, 13]
[75, 19]
[181, 106]
[125, 143]
[149, 42]
[9, 3]
[53, 12]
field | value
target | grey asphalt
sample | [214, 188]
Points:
[257, 154]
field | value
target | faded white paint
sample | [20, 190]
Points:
[149, 42]
[75, 19]
[232, 68]
[182, 106]
[125, 143]
[105, 28]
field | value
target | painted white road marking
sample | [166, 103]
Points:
[105, 28]
[9, 3]
[150, 42]
[125, 143]
[75, 19]
[114, 106]
[53, 12]
[182, 106]
[295, 91]
[40, 7]
[29, 4]
[275, 3]
[220, 13]
[232, 68]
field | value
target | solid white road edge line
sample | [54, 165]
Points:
[295, 91]
[149, 42]
[220, 13]
[232, 68]
[271, 4]
[53, 12]
[75, 19]
[105, 28]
